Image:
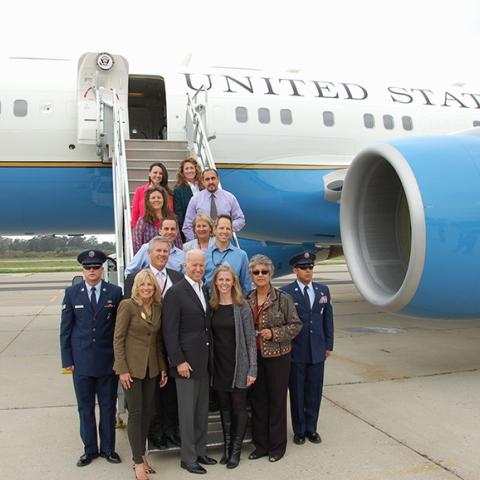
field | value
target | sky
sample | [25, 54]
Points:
[428, 39]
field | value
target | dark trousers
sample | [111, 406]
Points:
[192, 396]
[269, 405]
[165, 420]
[306, 386]
[105, 389]
[235, 402]
[139, 398]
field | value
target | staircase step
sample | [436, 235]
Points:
[149, 144]
[142, 153]
[157, 154]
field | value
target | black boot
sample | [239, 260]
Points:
[237, 439]
[226, 418]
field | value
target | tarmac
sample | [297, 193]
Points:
[401, 397]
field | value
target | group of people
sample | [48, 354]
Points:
[195, 192]
[191, 321]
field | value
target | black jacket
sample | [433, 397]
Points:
[186, 329]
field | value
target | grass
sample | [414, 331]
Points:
[38, 265]
[56, 264]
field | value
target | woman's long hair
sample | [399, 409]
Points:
[150, 215]
[237, 297]
[181, 180]
[164, 182]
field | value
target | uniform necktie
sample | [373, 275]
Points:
[307, 298]
[213, 207]
[93, 298]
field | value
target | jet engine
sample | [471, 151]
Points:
[410, 225]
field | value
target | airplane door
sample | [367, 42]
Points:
[95, 71]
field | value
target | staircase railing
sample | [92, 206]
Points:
[111, 141]
[198, 141]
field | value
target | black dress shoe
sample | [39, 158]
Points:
[274, 458]
[204, 460]
[86, 458]
[112, 457]
[254, 455]
[314, 437]
[193, 467]
[299, 439]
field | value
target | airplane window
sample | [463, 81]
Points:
[241, 114]
[407, 123]
[369, 120]
[20, 108]
[328, 119]
[264, 115]
[388, 122]
[476, 123]
[286, 116]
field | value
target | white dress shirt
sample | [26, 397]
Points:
[197, 287]
[194, 188]
[163, 279]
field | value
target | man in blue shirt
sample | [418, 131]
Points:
[214, 202]
[224, 252]
[175, 259]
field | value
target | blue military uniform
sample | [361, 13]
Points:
[86, 343]
[309, 349]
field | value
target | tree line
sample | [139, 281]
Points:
[42, 245]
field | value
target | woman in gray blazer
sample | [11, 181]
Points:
[139, 360]
[234, 358]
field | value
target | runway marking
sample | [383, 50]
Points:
[399, 378]
[427, 457]
[30, 289]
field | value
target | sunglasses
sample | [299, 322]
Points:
[91, 267]
[305, 267]
[258, 272]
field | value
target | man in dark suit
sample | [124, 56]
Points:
[186, 333]
[164, 425]
[310, 348]
[86, 342]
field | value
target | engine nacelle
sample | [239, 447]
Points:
[410, 226]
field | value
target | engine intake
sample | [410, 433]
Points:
[410, 225]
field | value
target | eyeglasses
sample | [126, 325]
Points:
[91, 267]
[305, 267]
[258, 272]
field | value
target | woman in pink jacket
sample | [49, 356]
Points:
[157, 177]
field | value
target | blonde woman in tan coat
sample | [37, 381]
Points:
[139, 360]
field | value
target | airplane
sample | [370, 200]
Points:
[288, 146]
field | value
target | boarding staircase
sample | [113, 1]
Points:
[130, 162]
